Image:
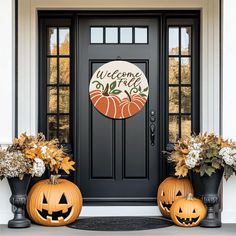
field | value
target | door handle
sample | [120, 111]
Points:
[152, 134]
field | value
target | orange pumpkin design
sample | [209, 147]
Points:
[131, 105]
[107, 104]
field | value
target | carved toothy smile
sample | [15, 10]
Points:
[187, 221]
[56, 215]
[167, 206]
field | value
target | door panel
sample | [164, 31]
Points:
[118, 161]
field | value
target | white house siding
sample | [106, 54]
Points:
[28, 76]
[228, 100]
[7, 29]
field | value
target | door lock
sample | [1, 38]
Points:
[152, 126]
[152, 134]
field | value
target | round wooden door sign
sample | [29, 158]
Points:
[118, 89]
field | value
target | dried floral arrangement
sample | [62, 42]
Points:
[204, 154]
[31, 155]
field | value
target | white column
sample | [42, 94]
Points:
[229, 99]
[7, 72]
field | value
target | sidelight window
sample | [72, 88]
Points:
[58, 84]
[179, 82]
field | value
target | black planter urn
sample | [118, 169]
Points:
[18, 200]
[210, 187]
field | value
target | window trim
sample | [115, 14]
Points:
[195, 73]
[44, 24]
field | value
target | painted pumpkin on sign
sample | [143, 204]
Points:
[131, 105]
[54, 202]
[188, 212]
[107, 104]
[170, 190]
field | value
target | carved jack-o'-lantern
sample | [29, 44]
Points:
[54, 202]
[188, 212]
[170, 190]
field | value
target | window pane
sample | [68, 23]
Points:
[185, 99]
[173, 70]
[186, 41]
[140, 35]
[185, 126]
[185, 70]
[51, 127]
[173, 41]
[52, 70]
[111, 35]
[52, 99]
[52, 42]
[126, 35]
[64, 70]
[173, 128]
[64, 100]
[64, 41]
[64, 129]
[173, 99]
[96, 34]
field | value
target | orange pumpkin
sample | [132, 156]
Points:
[131, 105]
[107, 104]
[188, 212]
[170, 190]
[54, 202]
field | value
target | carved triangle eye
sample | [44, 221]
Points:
[179, 193]
[63, 199]
[45, 200]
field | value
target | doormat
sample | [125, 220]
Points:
[120, 223]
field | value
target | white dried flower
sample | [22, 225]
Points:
[229, 156]
[14, 164]
[193, 156]
[44, 149]
[38, 167]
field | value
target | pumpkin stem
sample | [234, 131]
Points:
[189, 196]
[105, 92]
[54, 179]
[128, 95]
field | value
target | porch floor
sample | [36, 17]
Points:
[35, 230]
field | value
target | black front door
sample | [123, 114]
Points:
[118, 158]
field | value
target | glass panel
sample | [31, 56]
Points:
[185, 99]
[64, 100]
[96, 34]
[173, 41]
[52, 99]
[111, 35]
[186, 41]
[52, 70]
[173, 70]
[185, 70]
[140, 35]
[52, 127]
[185, 126]
[173, 99]
[173, 128]
[52, 36]
[64, 70]
[64, 41]
[126, 35]
[64, 129]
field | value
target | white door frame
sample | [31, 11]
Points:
[28, 61]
